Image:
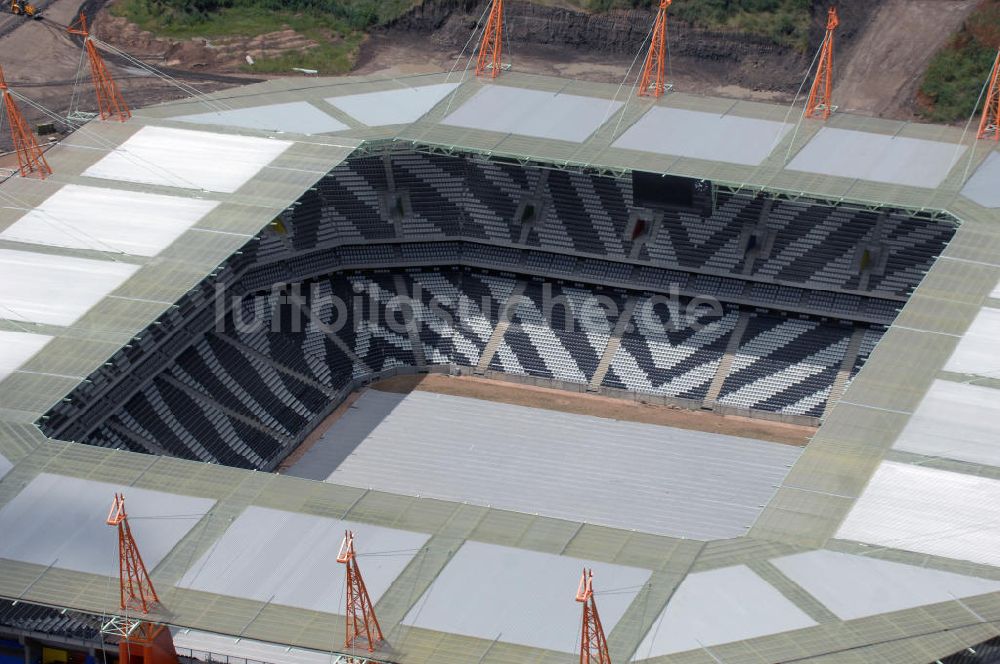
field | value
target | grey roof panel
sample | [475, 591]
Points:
[955, 421]
[983, 187]
[681, 483]
[507, 109]
[389, 107]
[60, 521]
[703, 135]
[5, 466]
[900, 160]
[524, 597]
[720, 606]
[299, 117]
[859, 586]
[289, 558]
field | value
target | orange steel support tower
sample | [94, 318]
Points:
[491, 45]
[30, 158]
[140, 642]
[593, 644]
[821, 94]
[361, 621]
[653, 72]
[110, 102]
[990, 123]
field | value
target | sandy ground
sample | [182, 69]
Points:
[569, 402]
[889, 61]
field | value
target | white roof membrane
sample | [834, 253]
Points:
[5, 466]
[681, 483]
[511, 110]
[189, 159]
[720, 606]
[955, 421]
[931, 511]
[290, 559]
[389, 107]
[53, 289]
[131, 222]
[298, 117]
[978, 352]
[701, 135]
[982, 187]
[523, 597]
[60, 521]
[913, 162]
[859, 586]
[16, 348]
[207, 647]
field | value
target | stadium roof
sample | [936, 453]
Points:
[879, 544]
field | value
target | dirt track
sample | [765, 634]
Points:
[888, 62]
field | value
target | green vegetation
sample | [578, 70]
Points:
[336, 25]
[957, 72]
[784, 22]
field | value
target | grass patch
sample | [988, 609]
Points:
[957, 72]
[337, 27]
[785, 22]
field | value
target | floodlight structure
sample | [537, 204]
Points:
[593, 644]
[110, 103]
[820, 102]
[989, 125]
[360, 622]
[491, 44]
[652, 81]
[30, 158]
[139, 641]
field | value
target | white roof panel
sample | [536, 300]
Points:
[131, 222]
[190, 159]
[53, 289]
[720, 606]
[681, 483]
[978, 352]
[389, 107]
[61, 521]
[5, 466]
[859, 586]
[16, 348]
[299, 117]
[523, 597]
[900, 160]
[932, 511]
[207, 647]
[701, 135]
[511, 110]
[955, 421]
[982, 187]
[290, 559]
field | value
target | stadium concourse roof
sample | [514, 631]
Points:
[879, 545]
